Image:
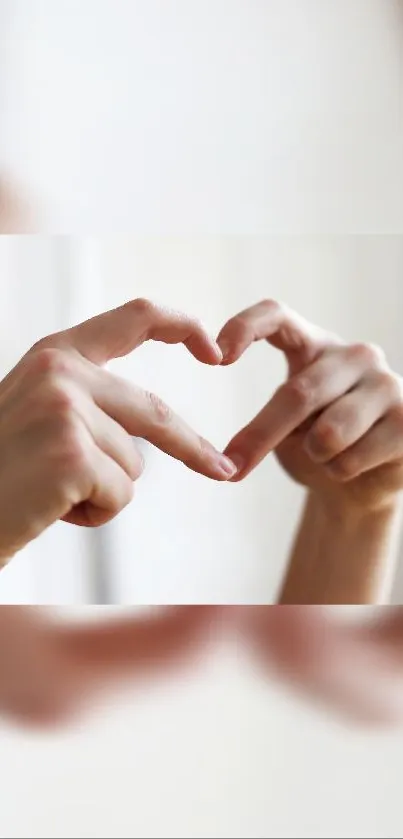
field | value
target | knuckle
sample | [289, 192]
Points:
[392, 385]
[52, 397]
[40, 344]
[327, 437]
[49, 360]
[368, 353]
[160, 412]
[271, 306]
[345, 468]
[59, 399]
[142, 306]
[72, 450]
[300, 392]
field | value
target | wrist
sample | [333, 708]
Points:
[345, 508]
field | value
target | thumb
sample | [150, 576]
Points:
[300, 341]
[118, 332]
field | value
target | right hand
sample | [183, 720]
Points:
[66, 424]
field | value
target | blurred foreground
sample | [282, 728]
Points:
[203, 739]
[50, 668]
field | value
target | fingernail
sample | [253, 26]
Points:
[217, 350]
[225, 348]
[226, 466]
[238, 461]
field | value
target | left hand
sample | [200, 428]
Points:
[336, 424]
[50, 670]
[353, 668]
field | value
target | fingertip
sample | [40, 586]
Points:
[206, 350]
[236, 479]
[241, 465]
[227, 361]
[216, 353]
[225, 469]
[230, 352]
[242, 474]
[225, 349]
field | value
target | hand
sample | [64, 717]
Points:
[352, 669]
[66, 424]
[336, 425]
[49, 670]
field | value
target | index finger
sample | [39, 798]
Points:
[118, 332]
[279, 326]
[144, 414]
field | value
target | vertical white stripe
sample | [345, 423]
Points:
[81, 272]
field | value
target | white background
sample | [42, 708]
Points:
[206, 116]
[186, 117]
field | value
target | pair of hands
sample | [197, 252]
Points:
[50, 672]
[66, 427]
[66, 423]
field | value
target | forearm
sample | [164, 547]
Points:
[341, 555]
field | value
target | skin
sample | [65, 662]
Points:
[352, 670]
[15, 212]
[300, 645]
[51, 671]
[66, 424]
[335, 426]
